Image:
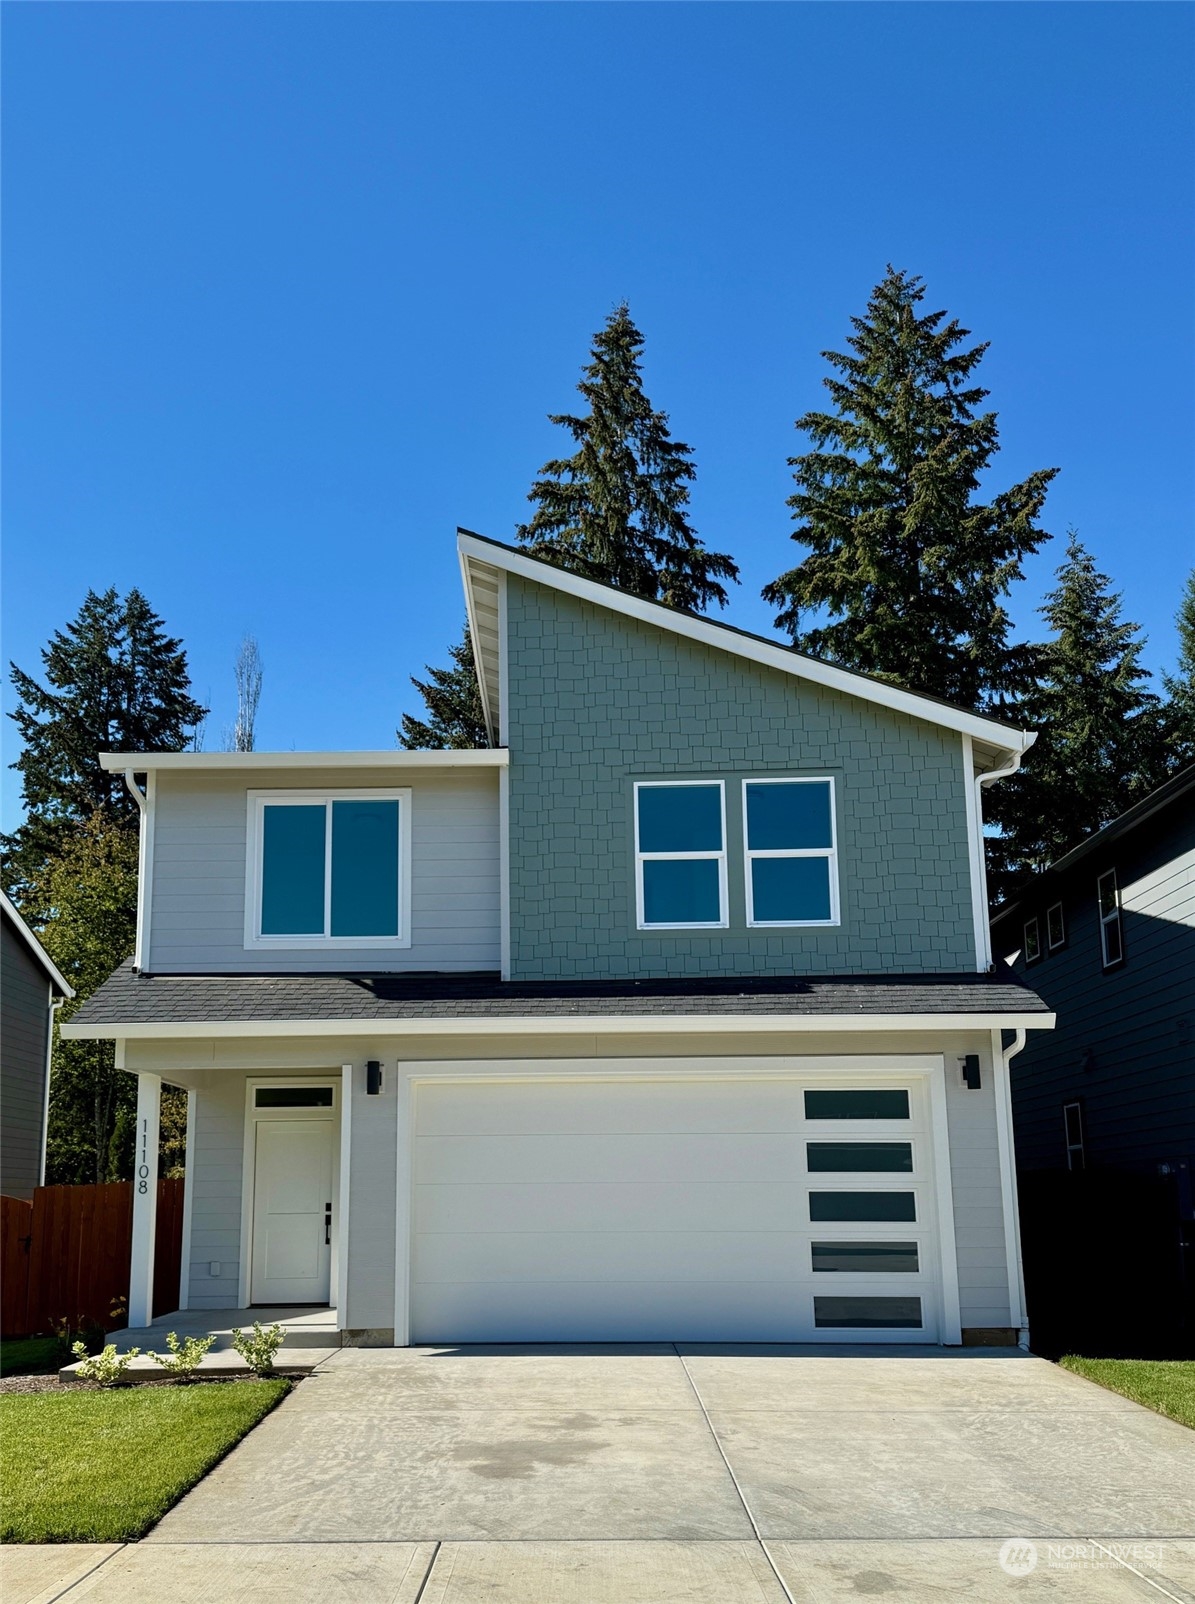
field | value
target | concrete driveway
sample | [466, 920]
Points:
[662, 1475]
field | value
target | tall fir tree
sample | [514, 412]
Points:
[906, 563]
[1097, 750]
[452, 698]
[115, 681]
[1178, 714]
[616, 511]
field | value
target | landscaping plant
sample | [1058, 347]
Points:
[184, 1357]
[106, 1368]
[259, 1348]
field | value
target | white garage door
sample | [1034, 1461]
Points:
[764, 1210]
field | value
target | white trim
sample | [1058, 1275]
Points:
[503, 790]
[973, 806]
[257, 802]
[1000, 736]
[1051, 944]
[720, 857]
[1107, 919]
[1031, 925]
[391, 758]
[829, 853]
[503, 665]
[340, 1238]
[184, 1275]
[249, 1161]
[1006, 1148]
[929, 1067]
[952, 1323]
[558, 1025]
[35, 947]
[145, 1199]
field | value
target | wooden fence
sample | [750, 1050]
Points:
[66, 1255]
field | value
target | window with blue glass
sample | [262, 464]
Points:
[329, 868]
[680, 855]
[791, 852]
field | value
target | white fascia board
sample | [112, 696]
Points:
[573, 1024]
[37, 951]
[454, 758]
[999, 737]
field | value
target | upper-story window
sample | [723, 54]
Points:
[1055, 927]
[329, 869]
[680, 855]
[1032, 940]
[1111, 939]
[791, 851]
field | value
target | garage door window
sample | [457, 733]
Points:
[680, 856]
[877, 1104]
[866, 1258]
[862, 1206]
[863, 1314]
[861, 1156]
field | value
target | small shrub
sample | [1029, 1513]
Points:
[184, 1357]
[259, 1348]
[105, 1368]
[67, 1333]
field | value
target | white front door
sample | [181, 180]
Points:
[292, 1201]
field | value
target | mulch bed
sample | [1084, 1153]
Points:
[52, 1383]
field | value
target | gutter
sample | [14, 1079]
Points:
[144, 846]
[1009, 1053]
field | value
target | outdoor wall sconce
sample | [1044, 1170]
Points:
[373, 1077]
[971, 1071]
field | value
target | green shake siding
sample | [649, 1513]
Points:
[598, 700]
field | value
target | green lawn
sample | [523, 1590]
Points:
[21, 1356]
[1167, 1385]
[103, 1467]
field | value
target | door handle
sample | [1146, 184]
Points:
[327, 1225]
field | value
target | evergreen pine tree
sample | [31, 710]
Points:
[452, 697]
[1178, 714]
[115, 682]
[616, 510]
[1096, 751]
[909, 565]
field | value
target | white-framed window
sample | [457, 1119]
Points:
[1055, 927]
[680, 855]
[1072, 1125]
[1032, 940]
[791, 851]
[1111, 935]
[328, 869]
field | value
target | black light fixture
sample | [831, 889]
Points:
[971, 1072]
[373, 1077]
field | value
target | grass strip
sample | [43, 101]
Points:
[1164, 1385]
[103, 1467]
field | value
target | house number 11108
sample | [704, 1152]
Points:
[143, 1167]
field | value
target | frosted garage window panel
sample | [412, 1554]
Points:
[869, 1206]
[869, 1157]
[866, 1258]
[877, 1104]
[868, 1314]
[292, 872]
[365, 868]
[791, 852]
[680, 856]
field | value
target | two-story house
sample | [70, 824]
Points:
[671, 1014]
[1104, 1108]
[32, 989]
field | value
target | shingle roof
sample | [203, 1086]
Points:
[129, 998]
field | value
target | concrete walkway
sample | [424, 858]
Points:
[661, 1475]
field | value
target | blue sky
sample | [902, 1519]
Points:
[289, 290]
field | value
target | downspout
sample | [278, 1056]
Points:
[1008, 1054]
[55, 1004]
[987, 778]
[139, 796]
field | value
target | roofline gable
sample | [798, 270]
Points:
[479, 552]
[35, 947]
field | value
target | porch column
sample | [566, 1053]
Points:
[145, 1200]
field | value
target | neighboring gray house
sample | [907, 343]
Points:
[1107, 936]
[670, 1014]
[30, 989]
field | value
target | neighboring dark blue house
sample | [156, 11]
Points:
[1107, 936]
